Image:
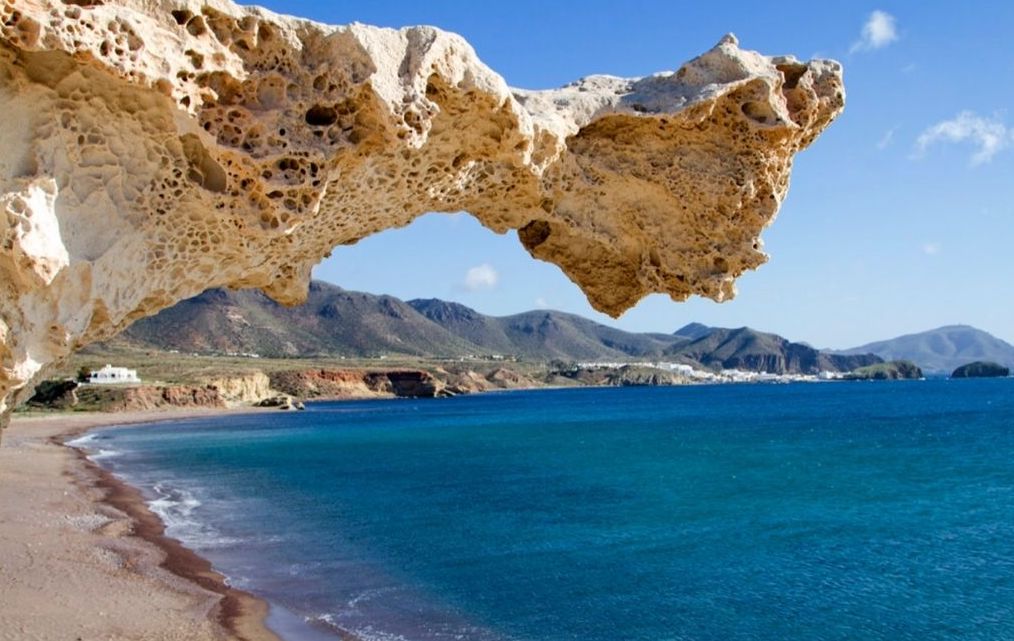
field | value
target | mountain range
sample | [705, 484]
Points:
[943, 349]
[337, 322]
[750, 350]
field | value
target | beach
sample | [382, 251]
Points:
[82, 557]
[711, 511]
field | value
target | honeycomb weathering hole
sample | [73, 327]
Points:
[534, 233]
[321, 116]
[203, 169]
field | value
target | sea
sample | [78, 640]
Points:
[820, 511]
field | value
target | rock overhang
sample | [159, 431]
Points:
[156, 149]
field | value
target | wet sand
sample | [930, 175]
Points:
[82, 557]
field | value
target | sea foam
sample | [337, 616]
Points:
[175, 506]
[90, 444]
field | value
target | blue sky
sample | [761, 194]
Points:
[900, 217]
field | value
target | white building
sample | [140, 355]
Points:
[110, 375]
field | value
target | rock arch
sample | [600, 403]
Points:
[154, 149]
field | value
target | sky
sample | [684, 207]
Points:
[900, 217]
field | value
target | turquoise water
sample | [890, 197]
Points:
[734, 512]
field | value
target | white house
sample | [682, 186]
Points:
[110, 375]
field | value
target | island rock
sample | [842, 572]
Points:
[981, 369]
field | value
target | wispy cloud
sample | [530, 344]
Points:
[541, 303]
[879, 31]
[989, 136]
[931, 249]
[482, 276]
[886, 140]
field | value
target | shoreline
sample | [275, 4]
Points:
[98, 543]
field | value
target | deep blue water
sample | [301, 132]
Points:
[806, 511]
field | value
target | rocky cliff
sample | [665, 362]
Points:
[323, 383]
[625, 376]
[351, 383]
[890, 371]
[156, 148]
[408, 383]
[66, 395]
[241, 388]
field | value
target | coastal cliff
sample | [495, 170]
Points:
[134, 398]
[240, 387]
[890, 371]
[215, 391]
[404, 383]
[345, 384]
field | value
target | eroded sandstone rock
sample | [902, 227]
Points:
[154, 149]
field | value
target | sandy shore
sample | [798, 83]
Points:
[82, 558]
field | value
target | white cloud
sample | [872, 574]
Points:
[541, 303]
[878, 32]
[931, 249]
[482, 276]
[988, 135]
[886, 140]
